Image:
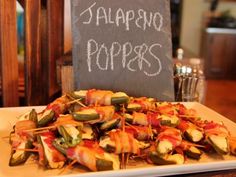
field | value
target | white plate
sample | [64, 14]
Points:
[8, 117]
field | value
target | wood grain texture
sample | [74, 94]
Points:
[36, 72]
[221, 97]
[218, 51]
[8, 53]
[67, 26]
[55, 20]
[67, 79]
[44, 45]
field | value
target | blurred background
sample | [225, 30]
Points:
[204, 30]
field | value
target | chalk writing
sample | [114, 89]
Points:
[89, 10]
[96, 53]
[123, 45]
[140, 18]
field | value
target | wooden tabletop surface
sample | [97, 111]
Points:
[221, 97]
[224, 173]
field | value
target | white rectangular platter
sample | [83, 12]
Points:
[8, 116]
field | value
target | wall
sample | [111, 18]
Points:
[192, 22]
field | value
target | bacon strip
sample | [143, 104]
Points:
[140, 133]
[144, 103]
[101, 97]
[84, 156]
[172, 135]
[152, 119]
[106, 112]
[183, 125]
[125, 142]
[59, 106]
[212, 128]
[56, 155]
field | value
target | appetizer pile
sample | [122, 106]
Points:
[103, 130]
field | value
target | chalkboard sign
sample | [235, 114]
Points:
[123, 45]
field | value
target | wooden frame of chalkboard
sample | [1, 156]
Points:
[123, 45]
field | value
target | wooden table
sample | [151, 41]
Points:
[224, 173]
[221, 97]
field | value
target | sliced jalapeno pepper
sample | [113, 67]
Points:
[193, 153]
[107, 144]
[88, 132]
[79, 94]
[166, 159]
[219, 143]
[71, 135]
[116, 98]
[171, 121]
[133, 107]
[128, 118]
[61, 145]
[103, 164]
[52, 157]
[86, 115]
[46, 117]
[164, 147]
[18, 156]
[33, 115]
[119, 98]
[193, 135]
[109, 124]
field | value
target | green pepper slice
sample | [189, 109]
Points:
[165, 159]
[71, 135]
[46, 117]
[18, 156]
[86, 115]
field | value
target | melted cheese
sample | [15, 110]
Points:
[73, 132]
[45, 113]
[177, 158]
[159, 104]
[128, 116]
[143, 145]
[87, 132]
[19, 153]
[164, 147]
[106, 141]
[48, 154]
[133, 105]
[119, 94]
[87, 111]
[195, 134]
[114, 158]
[195, 150]
[220, 142]
[81, 93]
[140, 118]
[172, 119]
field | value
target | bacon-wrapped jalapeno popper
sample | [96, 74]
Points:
[99, 129]
[100, 97]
